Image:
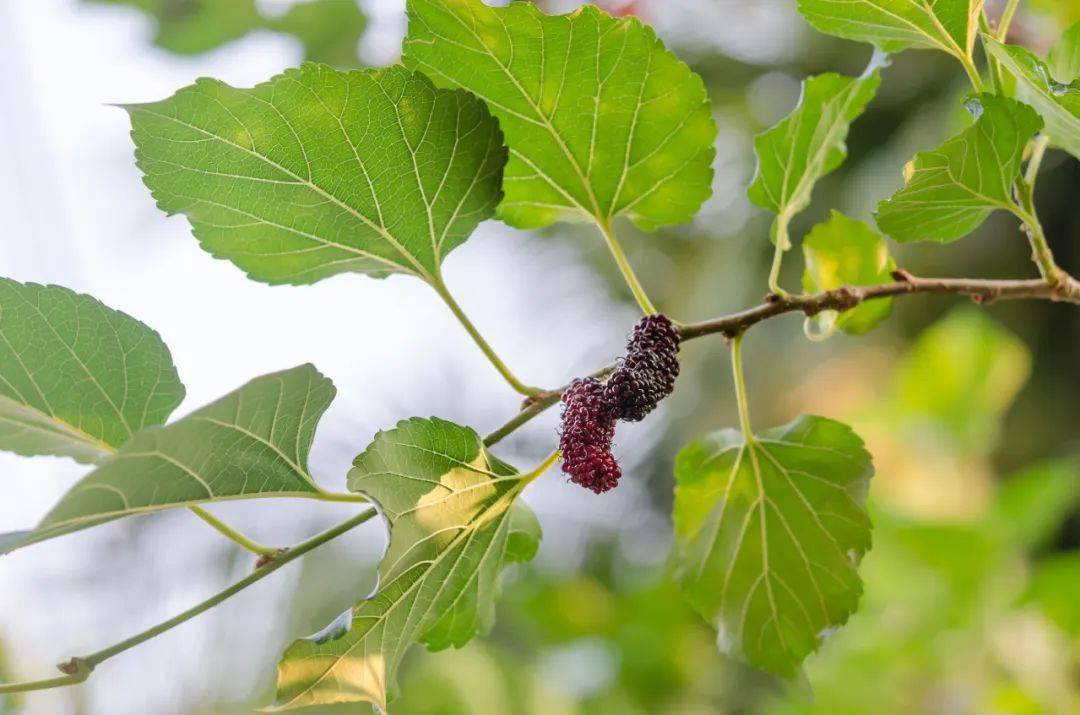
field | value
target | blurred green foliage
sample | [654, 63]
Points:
[330, 30]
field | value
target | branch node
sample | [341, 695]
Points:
[75, 666]
[267, 559]
[773, 297]
[902, 276]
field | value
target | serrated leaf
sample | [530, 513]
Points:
[844, 251]
[769, 534]
[954, 188]
[77, 379]
[319, 172]
[895, 25]
[252, 443]
[810, 142]
[1064, 58]
[1057, 103]
[454, 525]
[329, 29]
[601, 119]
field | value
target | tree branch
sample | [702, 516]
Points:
[1066, 289]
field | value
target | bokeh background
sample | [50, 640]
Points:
[972, 600]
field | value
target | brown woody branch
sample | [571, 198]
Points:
[1064, 289]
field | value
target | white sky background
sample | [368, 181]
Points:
[74, 212]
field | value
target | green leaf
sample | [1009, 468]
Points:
[1054, 585]
[1064, 58]
[601, 119]
[454, 524]
[329, 29]
[769, 534]
[894, 25]
[1057, 103]
[1032, 506]
[77, 379]
[319, 172]
[252, 443]
[952, 189]
[810, 142]
[843, 251]
[960, 377]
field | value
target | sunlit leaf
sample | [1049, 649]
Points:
[254, 442]
[455, 523]
[1058, 103]
[319, 172]
[844, 251]
[810, 142]
[953, 188]
[77, 379]
[894, 25]
[769, 535]
[329, 29]
[961, 375]
[601, 119]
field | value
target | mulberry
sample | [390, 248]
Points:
[587, 433]
[648, 372]
[591, 408]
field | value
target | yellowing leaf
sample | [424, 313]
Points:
[843, 251]
[455, 523]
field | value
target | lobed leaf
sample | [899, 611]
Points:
[319, 172]
[895, 25]
[810, 142]
[77, 379]
[952, 189]
[843, 251]
[1058, 103]
[601, 119]
[254, 442]
[454, 525]
[769, 533]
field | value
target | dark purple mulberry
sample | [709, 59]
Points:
[590, 408]
[648, 372]
[587, 432]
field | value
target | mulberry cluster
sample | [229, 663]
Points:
[591, 408]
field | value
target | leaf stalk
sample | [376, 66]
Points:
[625, 268]
[485, 347]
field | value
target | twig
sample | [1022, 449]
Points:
[77, 670]
[1066, 289]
